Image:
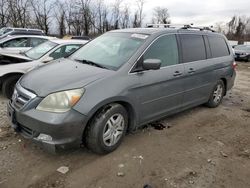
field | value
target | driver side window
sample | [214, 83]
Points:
[164, 48]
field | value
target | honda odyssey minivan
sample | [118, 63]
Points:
[118, 82]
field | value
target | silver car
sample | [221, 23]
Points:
[21, 43]
[13, 66]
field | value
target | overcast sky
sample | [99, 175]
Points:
[199, 12]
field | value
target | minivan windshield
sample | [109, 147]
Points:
[40, 50]
[110, 50]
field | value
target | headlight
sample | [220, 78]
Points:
[61, 101]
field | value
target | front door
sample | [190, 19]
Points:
[161, 91]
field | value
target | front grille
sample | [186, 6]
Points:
[21, 97]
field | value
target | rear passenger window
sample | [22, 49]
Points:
[36, 41]
[165, 48]
[193, 47]
[218, 46]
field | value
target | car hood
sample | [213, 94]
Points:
[241, 51]
[61, 75]
[6, 58]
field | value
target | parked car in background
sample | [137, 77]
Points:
[13, 66]
[78, 37]
[242, 52]
[21, 43]
[120, 81]
[10, 31]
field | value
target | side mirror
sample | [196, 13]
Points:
[151, 64]
[48, 59]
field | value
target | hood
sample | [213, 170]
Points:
[6, 58]
[61, 75]
[241, 51]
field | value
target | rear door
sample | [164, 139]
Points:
[161, 91]
[198, 77]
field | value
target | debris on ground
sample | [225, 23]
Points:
[120, 174]
[223, 154]
[193, 173]
[139, 157]
[147, 186]
[2, 181]
[157, 125]
[245, 153]
[247, 109]
[220, 143]
[199, 137]
[211, 161]
[121, 165]
[63, 169]
[191, 182]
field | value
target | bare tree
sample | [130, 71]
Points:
[125, 17]
[135, 22]
[86, 14]
[161, 15]
[100, 16]
[219, 27]
[60, 15]
[116, 13]
[4, 13]
[42, 10]
[19, 12]
[238, 28]
[140, 6]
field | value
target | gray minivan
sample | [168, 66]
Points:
[118, 82]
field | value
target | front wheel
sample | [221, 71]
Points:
[217, 95]
[107, 129]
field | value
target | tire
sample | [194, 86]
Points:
[216, 95]
[107, 129]
[9, 85]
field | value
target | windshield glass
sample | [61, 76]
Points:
[246, 48]
[40, 50]
[110, 50]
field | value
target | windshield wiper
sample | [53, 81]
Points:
[91, 63]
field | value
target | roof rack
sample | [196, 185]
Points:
[182, 26]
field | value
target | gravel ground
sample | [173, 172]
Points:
[200, 147]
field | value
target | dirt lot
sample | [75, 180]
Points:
[200, 147]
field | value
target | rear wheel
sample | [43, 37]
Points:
[9, 85]
[217, 95]
[107, 129]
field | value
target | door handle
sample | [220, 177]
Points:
[177, 73]
[191, 70]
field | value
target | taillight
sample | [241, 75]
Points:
[234, 65]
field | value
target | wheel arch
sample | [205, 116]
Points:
[105, 105]
[225, 84]
[7, 75]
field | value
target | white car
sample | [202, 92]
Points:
[13, 66]
[21, 43]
